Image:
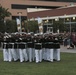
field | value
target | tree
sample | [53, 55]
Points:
[11, 26]
[31, 26]
[4, 13]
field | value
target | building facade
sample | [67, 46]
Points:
[53, 13]
[21, 7]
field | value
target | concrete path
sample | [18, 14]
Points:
[64, 49]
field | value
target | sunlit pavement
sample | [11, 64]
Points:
[64, 49]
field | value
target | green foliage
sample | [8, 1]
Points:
[58, 25]
[32, 26]
[11, 26]
[2, 26]
[4, 13]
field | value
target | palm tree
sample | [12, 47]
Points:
[4, 13]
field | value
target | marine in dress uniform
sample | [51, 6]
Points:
[5, 48]
[48, 53]
[38, 48]
[30, 47]
[12, 49]
[50, 49]
[56, 54]
[22, 49]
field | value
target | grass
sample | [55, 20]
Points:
[67, 66]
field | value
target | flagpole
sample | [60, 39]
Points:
[19, 13]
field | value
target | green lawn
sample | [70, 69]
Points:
[67, 66]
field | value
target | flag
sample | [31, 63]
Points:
[18, 24]
[40, 25]
[18, 21]
[39, 20]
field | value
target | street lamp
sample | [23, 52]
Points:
[73, 18]
[20, 13]
[57, 19]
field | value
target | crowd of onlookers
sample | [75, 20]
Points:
[69, 40]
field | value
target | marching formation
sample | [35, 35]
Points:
[30, 47]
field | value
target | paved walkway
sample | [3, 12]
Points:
[64, 49]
